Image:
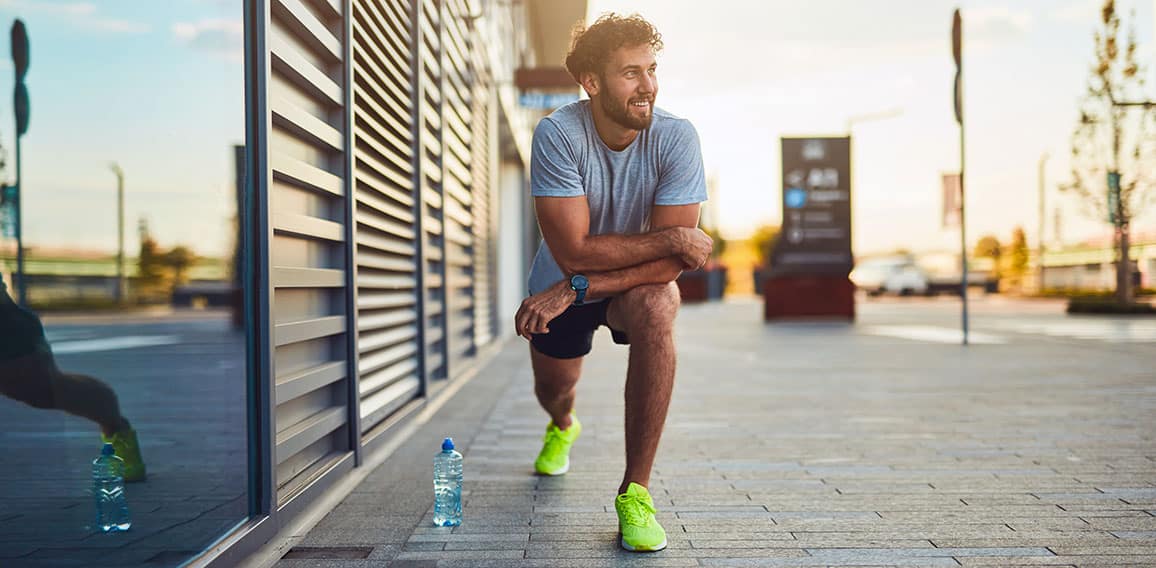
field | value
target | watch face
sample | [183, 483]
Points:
[579, 282]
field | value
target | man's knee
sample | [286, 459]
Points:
[28, 380]
[651, 307]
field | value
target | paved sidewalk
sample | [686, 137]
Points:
[795, 445]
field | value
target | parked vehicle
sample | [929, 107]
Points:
[890, 275]
[903, 276]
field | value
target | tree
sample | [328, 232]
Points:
[150, 261]
[1019, 256]
[989, 247]
[719, 245]
[1117, 138]
[180, 258]
[764, 243]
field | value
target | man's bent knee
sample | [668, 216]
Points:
[29, 379]
[651, 307]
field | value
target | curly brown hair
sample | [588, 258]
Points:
[591, 47]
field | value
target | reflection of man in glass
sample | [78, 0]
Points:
[28, 374]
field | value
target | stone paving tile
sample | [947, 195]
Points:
[1139, 535]
[630, 562]
[1123, 549]
[1080, 561]
[609, 552]
[811, 543]
[735, 562]
[462, 555]
[1091, 539]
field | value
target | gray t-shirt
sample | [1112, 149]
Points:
[663, 166]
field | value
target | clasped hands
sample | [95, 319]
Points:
[691, 245]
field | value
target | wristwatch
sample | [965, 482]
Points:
[579, 284]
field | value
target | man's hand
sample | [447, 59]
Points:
[537, 310]
[694, 246]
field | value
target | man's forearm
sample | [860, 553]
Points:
[611, 283]
[610, 252]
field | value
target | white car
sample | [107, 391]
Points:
[891, 275]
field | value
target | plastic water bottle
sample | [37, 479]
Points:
[108, 489]
[448, 486]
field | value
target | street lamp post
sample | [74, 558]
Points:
[1040, 229]
[121, 287]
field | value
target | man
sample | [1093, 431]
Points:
[617, 185]
[28, 373]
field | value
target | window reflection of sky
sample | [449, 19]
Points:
[154, 86]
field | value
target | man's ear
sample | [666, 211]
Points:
[590, 83]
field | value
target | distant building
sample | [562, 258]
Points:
[1092, 266]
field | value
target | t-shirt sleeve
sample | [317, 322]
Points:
[553, 169]
[681, 179]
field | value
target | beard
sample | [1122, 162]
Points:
[619, 111]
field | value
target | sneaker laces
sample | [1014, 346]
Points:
[636, 509]
[554, 434]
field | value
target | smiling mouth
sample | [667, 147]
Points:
[641, 104]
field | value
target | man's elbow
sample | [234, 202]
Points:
[571, 265]
[574, 262]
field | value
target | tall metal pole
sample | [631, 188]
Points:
[1040, 235]
[957, 54]
[20, 108]
[121, 287]
[963, 232]
[20, 280]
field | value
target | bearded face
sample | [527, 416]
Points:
[633, 110]
[629, 86]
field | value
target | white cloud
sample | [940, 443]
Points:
[219, 36]
[81, 14]
[1078, 12]
[996, 23]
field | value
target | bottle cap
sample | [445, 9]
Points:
[447, 444]
[107, 450]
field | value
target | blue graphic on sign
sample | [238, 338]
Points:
[795, 198]
[546, 101]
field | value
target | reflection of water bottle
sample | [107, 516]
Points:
[448, 486]
[108, 489]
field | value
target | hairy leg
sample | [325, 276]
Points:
[555, 384]
[646, 314]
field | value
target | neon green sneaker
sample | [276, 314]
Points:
[554, 459]
[640, 530]
[128, 449]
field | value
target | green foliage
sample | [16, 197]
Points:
[1094, 305]
[1019, 253]
[720, 243]
[150, 262]
[988, 247]
[179, 259]
[763, 242]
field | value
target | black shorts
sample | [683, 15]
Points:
[572, 333]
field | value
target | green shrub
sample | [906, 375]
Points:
[1101, 305]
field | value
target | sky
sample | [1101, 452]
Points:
[156, 86]
[749, 72]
